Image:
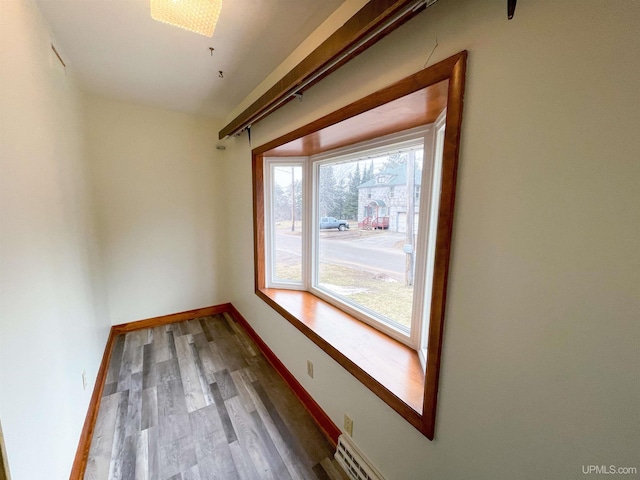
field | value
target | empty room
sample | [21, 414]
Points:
[384, 239]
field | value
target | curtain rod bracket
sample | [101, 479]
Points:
[511, 8]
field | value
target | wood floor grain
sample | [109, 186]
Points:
[195, 400]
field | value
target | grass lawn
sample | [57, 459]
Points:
[286, 271]
[376, 292]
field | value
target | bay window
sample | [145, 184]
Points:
[353, 218]
[380, 268]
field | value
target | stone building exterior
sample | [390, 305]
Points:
[382, 201]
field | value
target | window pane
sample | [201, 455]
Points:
[286, 215]
[370, 263]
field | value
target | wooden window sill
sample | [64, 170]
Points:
[387, 367]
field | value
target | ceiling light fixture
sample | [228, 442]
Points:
[198, 16]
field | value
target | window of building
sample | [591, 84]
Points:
[285, 206]
[315, 238]
[352, 256]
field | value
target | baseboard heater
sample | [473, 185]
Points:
[353, 461]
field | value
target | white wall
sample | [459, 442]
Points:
[160, 211]
[53, 312]
[540, 365]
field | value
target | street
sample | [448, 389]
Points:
[374, 252]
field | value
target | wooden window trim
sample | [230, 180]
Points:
[368, 354]
[324, 324]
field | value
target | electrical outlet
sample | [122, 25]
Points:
[84, 379]
[310, 368]
[348, 425]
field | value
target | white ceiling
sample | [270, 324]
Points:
[117, 50]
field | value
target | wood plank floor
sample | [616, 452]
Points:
[196, 400]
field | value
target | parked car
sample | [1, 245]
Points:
[332, 222]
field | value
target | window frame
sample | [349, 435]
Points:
[312, 316]
[404, 139]
[270, 278]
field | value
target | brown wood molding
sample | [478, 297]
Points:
[422, 79]
[4, 464]
[172, 318]
[413, 110]
[372, 16]
[324, 422]
[258, 216]
[452, 71]
[329, 429]
[388, 368]
[443, 239]
[84, 444]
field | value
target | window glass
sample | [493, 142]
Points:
[366, 257]
[365, 251]
[286, 223]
